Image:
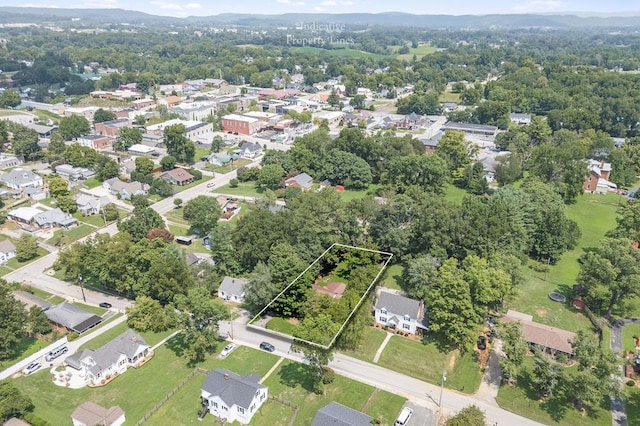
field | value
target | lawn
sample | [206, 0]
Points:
[14, 264]
[25, 347]
[292, 382]
[281, 325]
[632, 404]
[175, 216]
[454, 194]
[93, 309]
[182, 407]
[558, 410]
[228, 167]
[338, 52]
[420, 51]
[352, 194]
[628, 332]
[449, 96]
[44, 295]
[71, 235]
[392, 277]
[373, 338]
[244, 189]
[4, 271]
[427, 362]
[595, 215]
[96, 220]
[136, 391]
[92, 182]
[178, 188]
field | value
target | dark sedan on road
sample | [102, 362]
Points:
[267, 346]
[105, 305]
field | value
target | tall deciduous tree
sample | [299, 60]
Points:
[514, 349]
[318, 330]
[178, 145]
[142, 220]
[73, 126]
[429, 172]
[148, 314]
[449, 305]
[455, 150]
[102, 115]
[611, 274]
[58, 186]
[261, 289]
[200, 316]
[547, 373]
[13, 403]
[127, 137]
[37, 321]
[12, 322]
[468, 416]
[26, 248]
[202, 213]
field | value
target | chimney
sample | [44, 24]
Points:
[226, 376]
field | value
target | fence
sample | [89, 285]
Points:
[170, 394]
[288, 404]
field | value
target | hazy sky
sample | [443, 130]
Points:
[451, 7]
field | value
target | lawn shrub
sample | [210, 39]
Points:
[329, 375]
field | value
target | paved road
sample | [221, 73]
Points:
[418, 392]
[618, 409]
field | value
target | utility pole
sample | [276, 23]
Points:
[444, 379]
[82, 288]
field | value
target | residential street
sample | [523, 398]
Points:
[418, 392]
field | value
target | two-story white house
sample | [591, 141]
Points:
[127, 350]
[400, 312]
[233, 397]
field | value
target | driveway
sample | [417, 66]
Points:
[422, 416]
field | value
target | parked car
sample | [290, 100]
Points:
[31, 368]
[211, 185]
[105, 305]
[404, 416]
[267, 346]
[228, 349]
[482, 343]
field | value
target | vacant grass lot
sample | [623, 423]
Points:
[14, 264]
[292, 382]
[554, 411]
[454, 194]
[373, 338]
[353, 194]
[420, 51]
[244, 189]
[427, 362]
[281, 325]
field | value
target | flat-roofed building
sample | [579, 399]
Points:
[241, 124]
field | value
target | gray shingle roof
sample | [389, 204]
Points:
[399, 305]
[72, 317]
[303, 179]
[336, 414]
[7, 246]
[232, 388]
[232, 285]
[128, 344]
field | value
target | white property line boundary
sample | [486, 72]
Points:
[344, 324]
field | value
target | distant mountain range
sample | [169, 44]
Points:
[121, 16]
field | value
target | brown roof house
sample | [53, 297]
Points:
[91, 414]
[333, 290]
[178, 176]
[550, 339]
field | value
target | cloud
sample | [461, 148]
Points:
[291, 2]
[166, 6]
[539, 6]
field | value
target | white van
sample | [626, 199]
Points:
[404, 417]
[55, 353]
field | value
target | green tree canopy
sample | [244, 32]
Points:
[202, 213]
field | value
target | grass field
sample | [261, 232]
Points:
[352, 194]
[72, 234]
[25, 347]
[341, 53]
[392, 277]
[150, 337]
[595, 215]
[420, 51]
[281, 325]
[449, 96]
[454, 194]
[558, 410]
[628, 332]
[244, 189]
[427, 362]
[229, 167]
[92, 182]
[15, 264]
[632, 405]
[9, 112]
[291, 382]
[373, 338]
